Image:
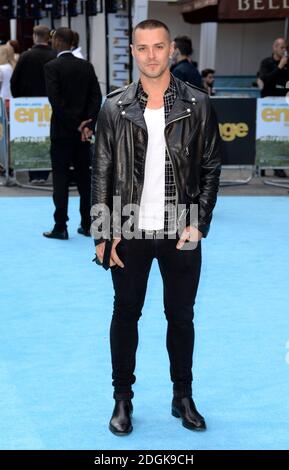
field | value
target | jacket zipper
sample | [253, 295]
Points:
[132, 161]
[178, 119]
[132, 145]
[167, 147]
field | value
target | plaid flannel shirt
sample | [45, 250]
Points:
[170, 184]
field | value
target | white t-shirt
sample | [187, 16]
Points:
[77, 53]
[5, 76]
[152, 205]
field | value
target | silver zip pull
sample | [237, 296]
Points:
[178, 119]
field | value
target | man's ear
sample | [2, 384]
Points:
[131, 49]
[172, 48]
[55, 43]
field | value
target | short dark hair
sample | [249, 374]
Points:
[184, 44]
[150, 24]
[206, 72]
[41, 32]
[65, 35]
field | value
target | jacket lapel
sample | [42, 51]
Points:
[183, 106]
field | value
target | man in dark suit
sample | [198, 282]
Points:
[28, 77]
[74, 93]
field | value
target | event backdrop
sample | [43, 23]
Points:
[237, 123]
[272, 135]
[29, 133]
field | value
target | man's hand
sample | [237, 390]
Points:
[191, 234]
[100, 251]
[283, 62]
[86, 133]
[114, 259]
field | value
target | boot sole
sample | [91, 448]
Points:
[117, 433]
[176, 414]
[55, 238]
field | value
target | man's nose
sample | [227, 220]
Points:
[151, 52]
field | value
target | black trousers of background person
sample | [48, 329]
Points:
[65, 153]
[180, 271]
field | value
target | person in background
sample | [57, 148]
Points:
[14, 44]
[28, 78]
[6, 70]
[182, 67]
[274, 70]
[274, 74]
[76, 49]
[75, 97]
[208, 76]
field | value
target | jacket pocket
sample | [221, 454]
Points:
[189, 145]
[193, 194]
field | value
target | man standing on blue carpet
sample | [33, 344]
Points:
[157, 156]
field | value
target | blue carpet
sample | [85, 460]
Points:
[55, 378]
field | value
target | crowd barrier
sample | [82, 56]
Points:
[4, 144]
[255, 135]
[254, 132]
[244, 86]
[237, 124]
[29, 136]
[272, 136]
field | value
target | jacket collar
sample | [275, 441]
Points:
[185, 93]
[183, 105]
[67, 53]
[41, 46]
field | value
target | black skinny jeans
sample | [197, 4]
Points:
[180, 271]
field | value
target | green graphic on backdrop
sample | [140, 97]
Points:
[272, 153]
[31, 153]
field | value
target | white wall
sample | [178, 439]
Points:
[78, 24]
[208, 39]
[97, 48]
[241, 47]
